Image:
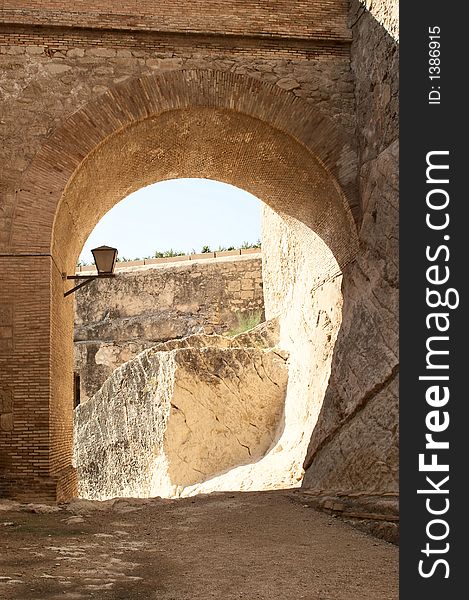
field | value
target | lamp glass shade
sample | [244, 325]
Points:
[105, 259]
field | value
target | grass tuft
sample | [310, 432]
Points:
[245, 322]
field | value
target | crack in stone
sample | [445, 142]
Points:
[257, 371]
[237, 439]
[379, 387]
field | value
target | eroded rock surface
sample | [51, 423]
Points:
[144, 306]
[176, 416]
[354, 446]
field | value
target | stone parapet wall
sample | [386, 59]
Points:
[117, 319]
[211, 292]
[172, 259]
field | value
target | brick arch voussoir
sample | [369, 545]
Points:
[140, 98]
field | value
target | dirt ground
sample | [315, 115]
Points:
[252, 546]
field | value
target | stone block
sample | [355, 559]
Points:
[227, 253]
[170, 419]
[233, 286]
[165, 259]
[203, 255]
[76, 53]
[250, 250]
[102, 52]
[288, 84]
[57, 68]
[35, 50]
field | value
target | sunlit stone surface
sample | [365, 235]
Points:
[174, 417]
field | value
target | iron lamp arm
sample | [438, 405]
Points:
[86, 279]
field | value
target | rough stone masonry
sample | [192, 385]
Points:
[116, 320]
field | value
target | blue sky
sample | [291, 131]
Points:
[179, 214]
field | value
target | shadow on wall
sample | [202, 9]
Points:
[354, 446]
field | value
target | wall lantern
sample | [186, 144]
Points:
[105, 260]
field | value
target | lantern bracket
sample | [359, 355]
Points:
[105, 260]
[86, 279]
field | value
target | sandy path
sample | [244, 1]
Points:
[254, 546]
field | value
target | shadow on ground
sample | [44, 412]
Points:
[255, 546]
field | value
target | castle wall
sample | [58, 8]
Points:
[117, 319]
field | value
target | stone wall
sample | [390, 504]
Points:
[302, 283]
[354, 447]
[47, 73]
[119, 318]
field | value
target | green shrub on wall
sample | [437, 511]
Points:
[170, 253]
[245, 322]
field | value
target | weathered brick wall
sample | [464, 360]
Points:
[116, 319]
[316, 18]
[24, 349]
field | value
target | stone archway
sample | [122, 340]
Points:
[183, 124]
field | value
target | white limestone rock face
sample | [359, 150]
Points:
[354, 446]
[170, 419]
[302, 285]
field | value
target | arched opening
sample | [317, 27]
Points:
[305, 225]
[222, 405]
[230, 129]
[164, 292]
[185, 216]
